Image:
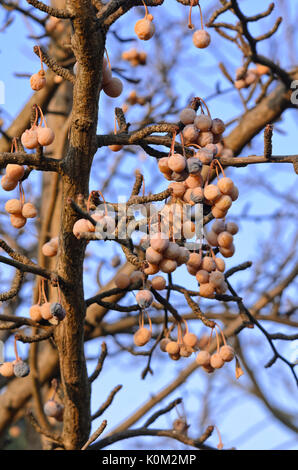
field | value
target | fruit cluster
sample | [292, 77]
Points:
[184, 346]
[123, 281]
[44, 310]
[220, 196]
[38, 135]
[221, 236]
[17, 368]
[245, 78]
[164, 255]
[51, 247]
[209, 272]
[223, 354]
[135, 57]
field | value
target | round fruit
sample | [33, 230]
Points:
[208, 264]
[205, 138]
[13, 206]
[225, 239]
[212, 192]
[35, 313]
[45, 310]
[15, 172]
[202, 276]
[17, 221]
[29, 138]
[152, 256]
[113, 88]
[151, 269]
[227, 252]
[206, 290]
[225, 185]
[144, 29]
[8, 184]
[29, 211]
[173, 347]
[45, 136]
[195, 260]
[163, 344]
[177, 163]
[21, 369]
[142, 336]
[190, 340]
[201, 38]
[223, 203]
[38, 80]
[6, 369]
[216, 361]
[203, 358]
[159, 242]
[203, 122]
[218, 126]
[158, 283]
[227, 353]
[168, 266]
[144, 298]
[187, 116]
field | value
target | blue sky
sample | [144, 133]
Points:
[196, 74]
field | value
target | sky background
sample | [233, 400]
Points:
[243, 420]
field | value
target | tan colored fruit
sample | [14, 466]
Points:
[183, 256]
[203, 122]
[217, 213]
[216, 278]
[29, 211]
[45, 136]
[203, 359]
[189, 229]
[38, 80]
[168, 265]
[159, 242]
[49, 250]
[227, 252]
[174, 357]
[192, 271]
[207, 290]
[163, 344]
[225, 185]
[202, 276]
[225, 239]
[29, 138]
[222, 288]
[220, 264]
[45, 310]
[190, 134]
[35, 313]
[7, 369]
[218, 226]
[144, 298]
[142, 336]
[223, 203]
[13, 206]
[178, 189]
[173, 347]
[185, 351]
[152, 256]
[232, 228]
[172, 252]
[163, 164]
[81, 226]
[8, 184]
[144, 29]
[17, 221]
[218, 126]
[208, 369]
[227, 353]
[212, 192]
[151, 269]
[211, 238]
[190, 340]
[208, 264]
[234, 193]
[194, 181]
[158, 283]
[201, 38]
[187, 116]
[216, 361]
[177, 163]
[195, 260]
[15, 172]
[205, 138]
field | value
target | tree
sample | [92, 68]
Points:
[77, 34]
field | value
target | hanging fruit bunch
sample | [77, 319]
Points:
[17, 368]
[37, 134]
[143, 335]
[223, 354]
[104, 222]
[184, 346]
[53, 312]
